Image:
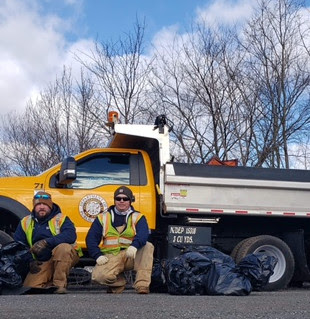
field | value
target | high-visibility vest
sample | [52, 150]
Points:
[113, 241]
[54, 225]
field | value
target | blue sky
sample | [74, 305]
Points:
[111, 18]
[39, 37]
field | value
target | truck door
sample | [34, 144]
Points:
[97, 177]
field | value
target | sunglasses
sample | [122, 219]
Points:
[125, 199]
[38, 196]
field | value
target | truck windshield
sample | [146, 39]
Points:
[102, 170]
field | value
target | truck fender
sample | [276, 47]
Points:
[12, 206]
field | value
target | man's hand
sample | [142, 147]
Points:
[34, 266]
[131, 252]
[38, 247]
[102, 260]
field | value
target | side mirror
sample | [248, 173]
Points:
[67, 172]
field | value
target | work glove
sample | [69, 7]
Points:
[131, 252]
[102, 260]
[38, 247]
[34, 266]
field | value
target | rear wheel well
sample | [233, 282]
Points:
[11, 213]
[8, 221]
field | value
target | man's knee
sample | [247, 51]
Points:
[63, 252]
[102, 276]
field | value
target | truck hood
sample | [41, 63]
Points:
[18, 182]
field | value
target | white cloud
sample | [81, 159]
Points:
[32, 48]
[213, 13]
[166, 35]
[225, 12]
[81, 48]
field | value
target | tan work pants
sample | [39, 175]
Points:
[111, 274]
[55, 271]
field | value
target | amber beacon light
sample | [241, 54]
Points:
[113, 117]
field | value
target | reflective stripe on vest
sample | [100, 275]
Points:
[54, 225]
[113, 241]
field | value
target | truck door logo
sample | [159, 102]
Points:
[91, 205]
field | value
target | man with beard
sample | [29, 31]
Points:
[51, 238]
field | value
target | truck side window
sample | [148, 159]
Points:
[102, 169]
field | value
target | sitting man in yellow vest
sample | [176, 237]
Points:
[117, 240]
[51, 237]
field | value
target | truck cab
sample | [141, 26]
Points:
[83, 186]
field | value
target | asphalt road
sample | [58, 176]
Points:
[286, 304]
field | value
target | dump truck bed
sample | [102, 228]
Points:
[216, 190]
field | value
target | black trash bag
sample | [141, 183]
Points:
[186, 274]
[222, 277]
[158, 278]
[204, 270]
[8, 275]
[258, 268]
[213, 254]
[12, 265]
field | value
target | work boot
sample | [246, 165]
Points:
[143, 290]
[61, 290]
[61, 272]
[115, 290]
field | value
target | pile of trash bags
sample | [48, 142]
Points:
[198, 270]
[13, 270]
[204, 270]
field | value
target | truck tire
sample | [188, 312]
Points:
[271, 246]
[234, 253]
[4, 238]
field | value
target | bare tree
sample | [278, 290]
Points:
[58, 124]
[244, 97]
[209, 67]
[122, 72]
[278, 68]
[18, 140]
[87, 123]
[193, 81]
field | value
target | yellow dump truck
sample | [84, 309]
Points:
[237, 210]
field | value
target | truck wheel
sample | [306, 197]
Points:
[271, 246]
[234, 253]
[4, 238]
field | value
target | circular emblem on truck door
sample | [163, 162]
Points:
[91, 205]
